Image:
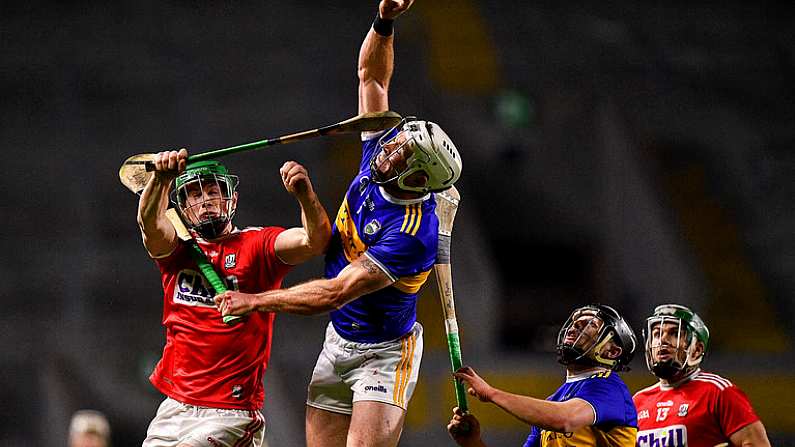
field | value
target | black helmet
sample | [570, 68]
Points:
[614, 328]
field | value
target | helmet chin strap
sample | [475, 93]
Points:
[569, 355]
[596, 353]
[211, 228]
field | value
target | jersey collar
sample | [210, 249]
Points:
[584, 374]
[392, 199]
[669, 386]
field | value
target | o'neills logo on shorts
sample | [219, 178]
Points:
[379, 388]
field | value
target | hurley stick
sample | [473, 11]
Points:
[446, 207]
[136, 170]
[200, 258]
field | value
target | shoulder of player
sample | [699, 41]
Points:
[414, 219]
[605, 380]
[253, 230]
[250, 234]
[710, 380]
[651, 389]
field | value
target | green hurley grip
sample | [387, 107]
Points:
[212, 277]
[455, 358]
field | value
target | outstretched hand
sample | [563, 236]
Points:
[296, 179]
[476, 386]
[391, 9]
[234, 303]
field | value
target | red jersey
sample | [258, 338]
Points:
[702, 411]
[206, 362]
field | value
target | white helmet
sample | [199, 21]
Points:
[433, 152]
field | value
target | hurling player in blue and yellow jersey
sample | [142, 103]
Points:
[592, 408]
[382, 250]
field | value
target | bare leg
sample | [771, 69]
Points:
[326, 428]
[375, 424]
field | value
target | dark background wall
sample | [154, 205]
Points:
[631, 153]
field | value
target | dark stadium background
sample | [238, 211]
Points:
[626, 152]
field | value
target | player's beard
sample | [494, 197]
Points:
[666, 369]
[569, 355]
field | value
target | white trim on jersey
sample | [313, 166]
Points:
[669, 386]
[726, 382]
[394, 200]
[381, 266]
[585, 374]
[714, 379]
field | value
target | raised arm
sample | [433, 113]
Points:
[296, 245]
[359, 278]
[159, 236]
[376, 57]
[562, 417]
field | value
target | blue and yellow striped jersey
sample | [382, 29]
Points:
[616, 423]
[400, 236]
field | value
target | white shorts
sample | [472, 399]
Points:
[177, 423]
[348, 372]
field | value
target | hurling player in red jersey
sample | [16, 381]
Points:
[689, 407]
[211, 372]
[382, 251]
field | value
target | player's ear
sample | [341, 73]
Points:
[612, 351]
[698, 352]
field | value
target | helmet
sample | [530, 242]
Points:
[203, 186]
[89, 422]
[433, 152]
[588, 348]
[689, 326]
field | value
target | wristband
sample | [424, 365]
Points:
[383, 27]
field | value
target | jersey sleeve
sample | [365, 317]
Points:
[401, 254]
[177, 256]
[734, 410]
[606, 398]
[277, 268]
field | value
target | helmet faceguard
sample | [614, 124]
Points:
[205, 197]
[588, 329]
[419, 146]
[677, 330]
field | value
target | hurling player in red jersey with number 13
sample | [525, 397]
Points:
[689, 407]
[212, 372]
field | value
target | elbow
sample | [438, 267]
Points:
[319, 243]
[562, 421]
[341, 293]
[560, 424]
[370, 79]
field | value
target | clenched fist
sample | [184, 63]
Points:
[390, 9]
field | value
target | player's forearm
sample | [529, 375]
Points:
[310, 298]
[316, 224]
[547, 415]
[152, 206]
[376, 63]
